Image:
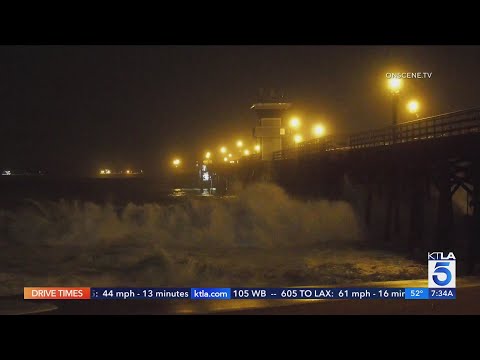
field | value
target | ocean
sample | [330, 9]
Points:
[147, 232]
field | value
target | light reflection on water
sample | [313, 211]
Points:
[183, 192]
[178, 192]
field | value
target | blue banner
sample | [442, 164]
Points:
[416, 293]
[442, 293]
[139, 293]
[316, 293]
[210, 293]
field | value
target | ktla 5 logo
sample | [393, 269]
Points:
[441, 270]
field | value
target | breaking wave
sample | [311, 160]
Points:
[260, 237]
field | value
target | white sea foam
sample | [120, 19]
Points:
[261, 237]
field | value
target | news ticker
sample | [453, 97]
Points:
[87, 293]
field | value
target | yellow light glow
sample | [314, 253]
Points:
[208, 154]
[223, 149]
[257, 148]
[102, 172]
[176, 162]
[294, 122]
[107, 171]
[239, 143]
[225, 159]
[128, 171]
[246, 152]
[230, 155]
[297, 138]
[394, 85]
[413, 106]
[318, 130]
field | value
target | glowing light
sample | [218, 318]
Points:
[225, 159]
[294, 122]
[102, 172]
[107, 171]
[128, 172]
[246, 152]
[232, 161]
[318, 130]
[257, 148]
[239, 143]
[297, 138]
[230, 155]
[223, 149]
[176, 162]
[208, 154]
[394, 85]
[413, 106]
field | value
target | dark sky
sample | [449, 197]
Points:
[74, 109]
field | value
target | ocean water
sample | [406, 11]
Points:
[147, 232]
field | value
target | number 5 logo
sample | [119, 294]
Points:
[441, 267]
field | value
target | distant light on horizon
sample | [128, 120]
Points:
[208, 154]
[246, 152]
[230, 155]
[257, 148]
[176, 162]
[239, 143]
[297, 138]
[225, 159]
[223, 149]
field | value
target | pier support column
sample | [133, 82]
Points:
[368, 206]
[392, 211]
[388, 212]
[396, 206]
[443, 239]
[417, 214]
[473, 246]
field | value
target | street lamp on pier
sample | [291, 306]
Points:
[394, 85]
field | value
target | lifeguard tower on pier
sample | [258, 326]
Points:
[271, 110]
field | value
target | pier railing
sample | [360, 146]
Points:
[450, 124]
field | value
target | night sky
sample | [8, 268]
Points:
[74, 109]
